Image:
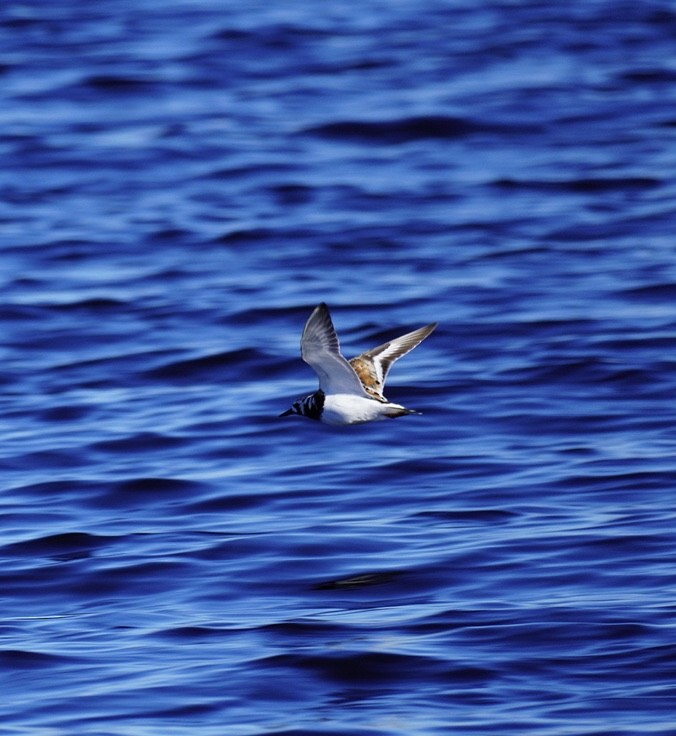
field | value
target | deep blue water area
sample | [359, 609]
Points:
[182, 182]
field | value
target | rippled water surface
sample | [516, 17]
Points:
[181, 183]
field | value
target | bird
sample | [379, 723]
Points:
[350, 392]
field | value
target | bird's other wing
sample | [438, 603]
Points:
[320, 349]
[373, 366]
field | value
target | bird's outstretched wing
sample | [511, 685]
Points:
[320, 349]
[373, 365]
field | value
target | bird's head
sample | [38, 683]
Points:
[309, 406]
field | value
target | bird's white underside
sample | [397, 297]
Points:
[351, 409]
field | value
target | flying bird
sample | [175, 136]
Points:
[350, 392]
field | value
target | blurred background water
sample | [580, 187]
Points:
[181, 183]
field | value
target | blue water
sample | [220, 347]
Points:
[182, 182]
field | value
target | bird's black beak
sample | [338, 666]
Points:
[286, 413]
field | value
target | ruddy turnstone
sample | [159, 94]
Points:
[349, 392]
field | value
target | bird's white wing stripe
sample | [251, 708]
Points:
[384, 355]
